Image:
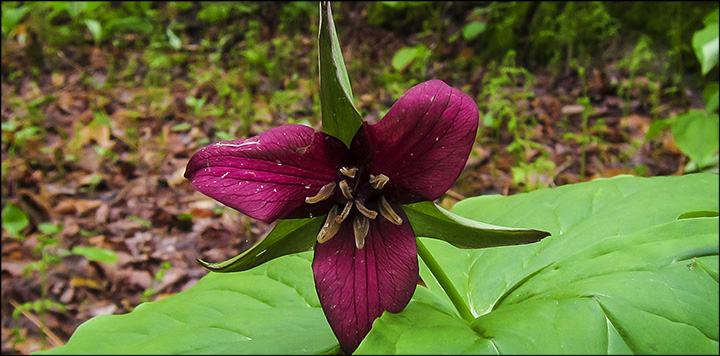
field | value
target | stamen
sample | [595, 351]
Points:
[349, 172]
[378, 181]
[345, 189]
[346, 210]
[331, 227]
[387, 211]
[325, 192]
[365, 211]
[361, 226]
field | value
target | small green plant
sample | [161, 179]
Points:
[696, 130]
[49, 254]
[47, 251]
[148, 294]
[584, 137]
[639, 61]
[575, 28]
[505, 86]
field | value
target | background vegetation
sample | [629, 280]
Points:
[104, 102]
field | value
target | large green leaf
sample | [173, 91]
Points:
[287, 237]
[339, 116]
[705, 44]
[696, 134]
[272, 309]
[631, 267]
[430, 220]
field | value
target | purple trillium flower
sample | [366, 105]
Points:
[365, 259]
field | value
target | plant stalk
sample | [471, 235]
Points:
[444, 282]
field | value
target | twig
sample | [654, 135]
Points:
[54, 339]
[455, 194]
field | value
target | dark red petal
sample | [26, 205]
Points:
[268, 176]
[422, 143]
[356, 286]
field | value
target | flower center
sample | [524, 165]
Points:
[355, 190]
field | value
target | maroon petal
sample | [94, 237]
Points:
[268, 176]
[356, 286]
[422, 143]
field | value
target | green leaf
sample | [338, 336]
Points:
[657, 127]
[403, 57]
[272, 309]
[705, 44]
[95, 29]
[96, 254]
[696, 134]
[473, 29]
[141, 221]
[173, 39]
[181, 127]
[287, 237]
[339, 116]
[424, 319]
[11, 17]
[430, 220]
[711, 17]
[14, 220]
[129, 23]
[49, 228]
[620, 274]
[711, 96]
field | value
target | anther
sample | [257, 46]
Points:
[378, 181]
[325, 192]
[331, 227]
[345, 189]
[346, 211]
[387, 211]
[365, 211]
[349, 172]
[361, 226]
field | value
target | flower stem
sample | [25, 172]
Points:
[444, 282]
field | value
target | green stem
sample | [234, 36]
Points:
[444, 282]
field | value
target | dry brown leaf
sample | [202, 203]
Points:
[76, 206]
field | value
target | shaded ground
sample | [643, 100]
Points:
[115, 135]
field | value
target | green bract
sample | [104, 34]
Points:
[339, 116]
[632, 267]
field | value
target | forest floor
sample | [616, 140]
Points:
[114, 180]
